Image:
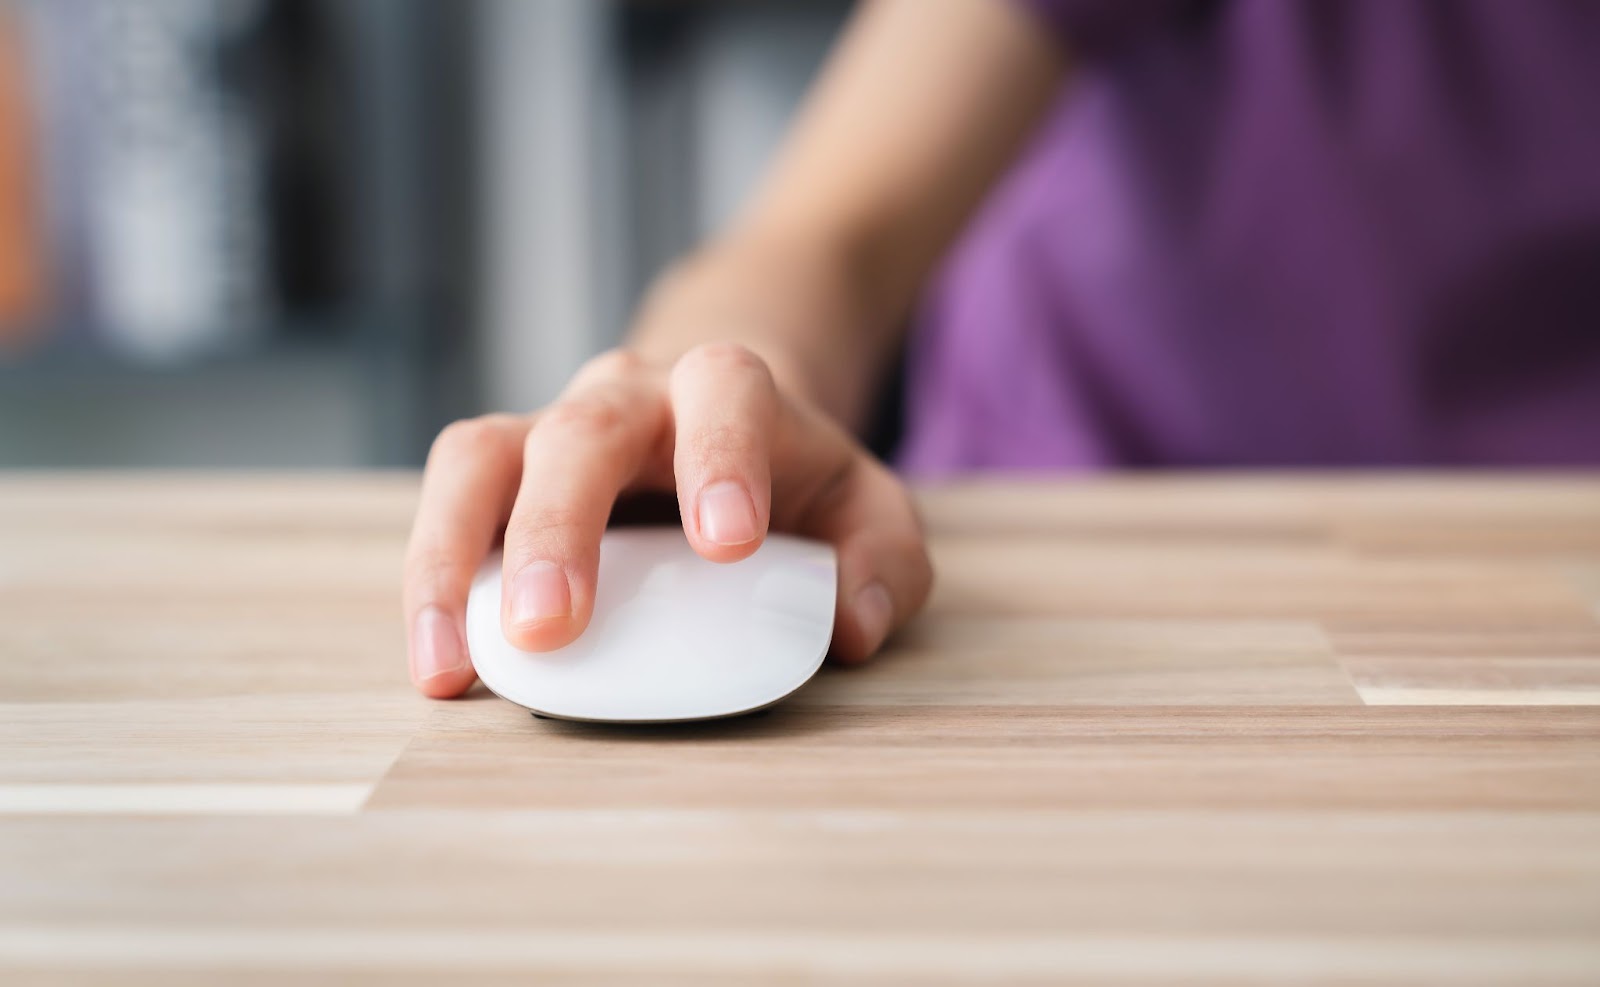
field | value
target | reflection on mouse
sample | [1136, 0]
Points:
[673, 637]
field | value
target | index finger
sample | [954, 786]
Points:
[467, 489]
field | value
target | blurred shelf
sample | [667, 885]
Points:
[364, 112]
[346, 398]
[72, 360]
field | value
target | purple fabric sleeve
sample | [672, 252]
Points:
[1279, 233]
[1095, 28]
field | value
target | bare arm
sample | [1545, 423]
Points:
[748, 356]
[920, 108]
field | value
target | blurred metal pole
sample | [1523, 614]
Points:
[553, 265]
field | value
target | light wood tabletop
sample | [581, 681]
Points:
[1201, 730]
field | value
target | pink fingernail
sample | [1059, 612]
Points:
[727, 515]
[539, 591]
[436, 647]
[874, 614]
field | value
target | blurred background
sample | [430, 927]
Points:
[311, 232]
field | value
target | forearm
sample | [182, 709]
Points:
[919, 110]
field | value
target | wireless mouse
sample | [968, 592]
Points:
[674, 637]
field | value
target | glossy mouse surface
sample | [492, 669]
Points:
[673, 637]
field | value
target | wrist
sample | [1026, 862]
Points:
[791, 304]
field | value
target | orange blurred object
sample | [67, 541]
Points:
[21, 245]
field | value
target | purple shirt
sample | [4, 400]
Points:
[1263, 232]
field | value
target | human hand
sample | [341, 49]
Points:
[741, 455]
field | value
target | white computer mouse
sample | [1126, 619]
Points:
[673, 637]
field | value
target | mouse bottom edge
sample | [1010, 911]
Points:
[757, 711]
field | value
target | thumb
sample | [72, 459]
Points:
[885, 574]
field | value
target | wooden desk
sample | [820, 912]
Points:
[1202, 730]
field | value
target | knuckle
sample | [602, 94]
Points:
[723, 440]
[617, 362]
[504, 422]
[471, 438]
[545, 524]
[725, 357]
[431, 570]
[588, 417]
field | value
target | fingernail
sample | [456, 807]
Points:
[727, 516]
[436, 645]
[539, 591]
[874, 614]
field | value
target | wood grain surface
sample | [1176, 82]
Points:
[1197, 730]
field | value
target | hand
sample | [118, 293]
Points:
[741, 455]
